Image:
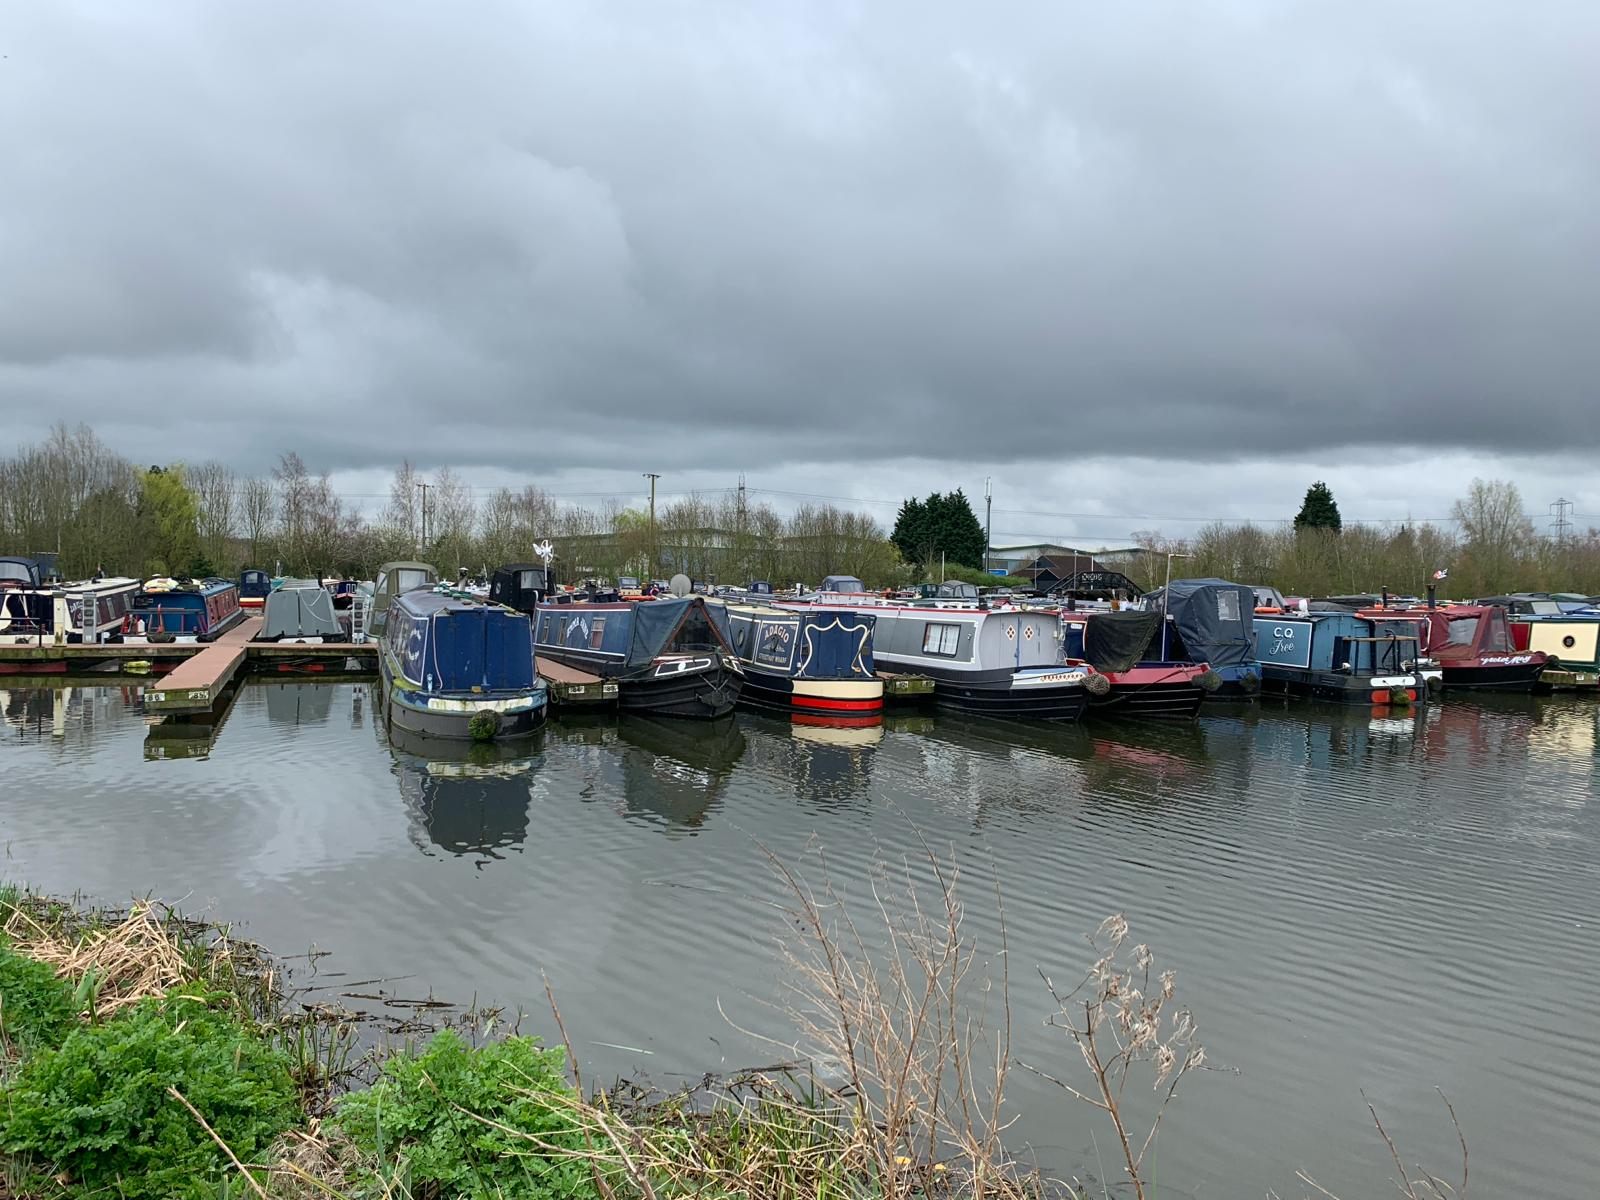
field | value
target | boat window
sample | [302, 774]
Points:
[1228, 606]
[408, 579]
[1463, 630]
[1545, 608]
[16, 573]
[941, 639]
[528, 580]
[597, 634]
[1498, 640]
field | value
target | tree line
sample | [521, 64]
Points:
[73, 496]
[1489, 547]
[99, 512]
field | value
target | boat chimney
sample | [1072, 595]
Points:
[1385, 602]
[1433, 595]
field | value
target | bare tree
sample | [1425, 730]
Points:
[216, 496]
[256, 505]
[1495, 531]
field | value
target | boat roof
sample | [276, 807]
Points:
[408, 563]
[427, 603]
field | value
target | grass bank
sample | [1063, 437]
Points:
[146, 1055]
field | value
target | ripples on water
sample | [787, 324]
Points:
[1353, 904]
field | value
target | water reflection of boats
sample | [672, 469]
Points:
[465, 798]
[679, 769]
[297, 703]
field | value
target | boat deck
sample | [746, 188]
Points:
[897, 686]
[569, 685]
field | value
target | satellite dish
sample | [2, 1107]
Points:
[679, 585]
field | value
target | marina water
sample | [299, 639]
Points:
[1354, 905]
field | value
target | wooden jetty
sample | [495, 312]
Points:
[905, 687]
[196, 683]
[569, 685]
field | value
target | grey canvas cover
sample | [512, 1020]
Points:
[684, 623]
[1213, 618]
[1115, 641]
[299, 608]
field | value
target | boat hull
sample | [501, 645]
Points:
[700, 687]
[1369, 690]
[1481, 676]
[409, 710]
[1038, 696]
[1178, 701]
[848, 698]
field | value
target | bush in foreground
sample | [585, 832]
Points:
[102, 1112]
[497, 1121]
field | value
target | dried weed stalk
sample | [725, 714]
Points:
[1426, 1185]
[1120, 1018]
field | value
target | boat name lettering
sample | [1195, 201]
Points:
[1506, 660]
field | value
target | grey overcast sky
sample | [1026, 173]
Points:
[1136, 260]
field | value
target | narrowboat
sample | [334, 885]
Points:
[1570, 643]
[343, 592]
[300, 610]
[92, 610]
[671, 657]
[254, 588]
[372, 603]
[998, 662]
[1473, 647]
[1117, 645]
[456, 667]
[1211, 621]
[1339, 656]
[813, 662]
[521, 586]
[183, 610]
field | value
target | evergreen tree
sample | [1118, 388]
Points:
[943, 524]
[1319, 510]
[910, 535]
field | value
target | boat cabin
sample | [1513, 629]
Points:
[254, 587]
[1339, 656]
[444, 644]
[394, 579]
[613, 638]
[844, 585]
[193, 610]
[521, 586]
[809, 643]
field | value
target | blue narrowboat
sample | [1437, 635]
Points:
[254, 588]
[673, 657]
[1211, 621]
[454, 666]
[183, 610]
[1339, 656]
[812, 662]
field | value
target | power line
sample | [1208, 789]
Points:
[1561, 508]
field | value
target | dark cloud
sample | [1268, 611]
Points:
[722, 236]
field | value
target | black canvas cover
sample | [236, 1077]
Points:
[684, 623]
[1115, 641]
[520, 586]
[1214, 619]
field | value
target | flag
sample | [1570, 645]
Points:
[1442, 573]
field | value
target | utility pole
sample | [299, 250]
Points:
[988, 519]
[650, 552]
[1561, 508]
[423, 488]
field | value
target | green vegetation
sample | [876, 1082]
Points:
[942, 525]
[495, 1122]
[103, 1109]
[36, 1007]
[1319, 510]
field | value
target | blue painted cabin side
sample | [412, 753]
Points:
[444, 645]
